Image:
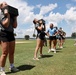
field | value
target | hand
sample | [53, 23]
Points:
[54, 35]
[6, 12]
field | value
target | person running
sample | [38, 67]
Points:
[51, 32]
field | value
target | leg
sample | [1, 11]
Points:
[11, 56]
[54, 43]
[11, 51]
[50, 44]
[41, 46]
[37, 48]
[4, 47]
[61, 43]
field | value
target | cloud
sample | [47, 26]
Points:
[55, 17]
[22, 32]
[26, 15]
[46, 9]
[70, 16]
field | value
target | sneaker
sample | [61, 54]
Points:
[52, 49]
[41, 55]
[49, 51]
[75, 44]
[35, 59]
[61, 47]
[55, 51]
[13, 69]
[2, 73]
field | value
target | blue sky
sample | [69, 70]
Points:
[61, 13]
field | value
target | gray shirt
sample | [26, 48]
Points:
[10, 27]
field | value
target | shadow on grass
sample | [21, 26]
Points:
[58, 49]
[11, 72]
[22, 68]
[46, 56]
[25, 67]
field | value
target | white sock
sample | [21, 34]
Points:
[2, 69]
[11, 65]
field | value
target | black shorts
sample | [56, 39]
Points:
[52, 38]
[41, 36]
[6, 36]
[62, 38]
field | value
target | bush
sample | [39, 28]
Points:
[73, 35]
[27, 37]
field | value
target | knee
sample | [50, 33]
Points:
[4, 54]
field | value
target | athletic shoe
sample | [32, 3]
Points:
[61, 47]
[2, 73]
[13, 69]
[52, 49]
[35, 59]
[41, 55]
[75, 44]
[49, 50]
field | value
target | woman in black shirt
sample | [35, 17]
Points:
[40, 27]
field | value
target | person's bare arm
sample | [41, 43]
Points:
[15, 22]
[6, 21]
[40, 27]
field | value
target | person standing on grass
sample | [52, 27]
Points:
[40, 27]
[51, 32]
[7, 25]
[62, 37]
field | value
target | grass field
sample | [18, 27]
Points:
[61, 63]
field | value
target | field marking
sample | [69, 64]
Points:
[20, 42]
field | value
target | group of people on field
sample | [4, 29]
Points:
[7, 39]
[55, 36]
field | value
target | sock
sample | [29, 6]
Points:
[2, 69]
[11, 65]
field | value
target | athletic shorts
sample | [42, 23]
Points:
[62, 38]
[40, 36]
[6, 36]
[52, 38]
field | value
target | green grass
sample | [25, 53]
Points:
[61, 63]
